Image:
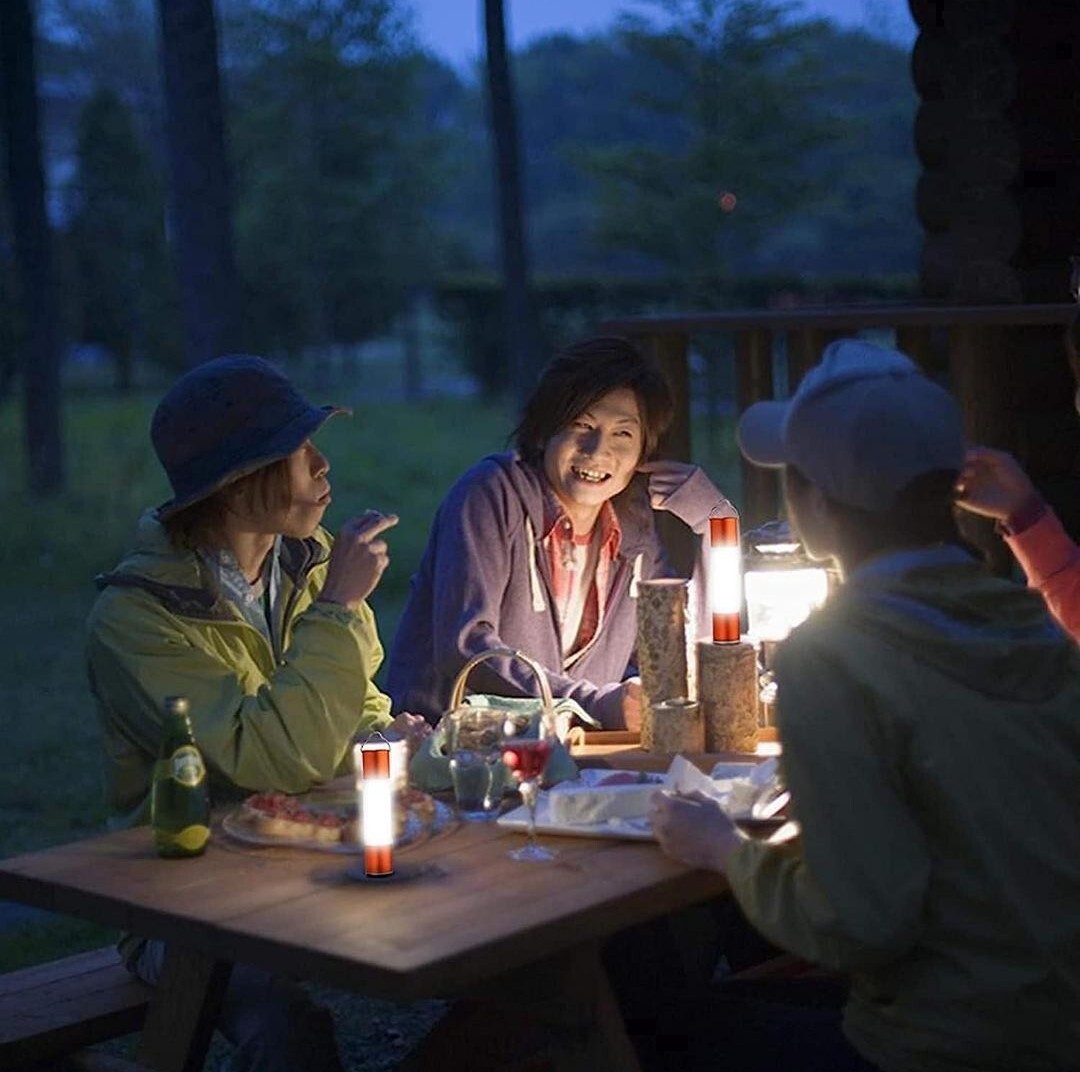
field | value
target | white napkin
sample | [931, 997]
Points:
[735, 795]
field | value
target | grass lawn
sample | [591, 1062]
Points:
[390, 455]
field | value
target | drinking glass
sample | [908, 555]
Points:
[525, 756]
[475, 734]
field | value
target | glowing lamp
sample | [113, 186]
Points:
[782, 585]
[376, 793]
[725, 582]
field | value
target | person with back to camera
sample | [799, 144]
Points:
[931, 743]
[236, 598]
[994, 485]
[541, 549]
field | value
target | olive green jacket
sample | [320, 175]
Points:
[930, 715]
[160, 628]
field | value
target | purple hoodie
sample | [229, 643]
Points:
[484, 583]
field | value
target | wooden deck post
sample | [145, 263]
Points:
[670, 351]
[754, 383]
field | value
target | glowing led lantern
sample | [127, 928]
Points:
[376, 800]
[725, 582]
[782, 585]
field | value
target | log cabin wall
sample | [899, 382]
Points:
[998, 136]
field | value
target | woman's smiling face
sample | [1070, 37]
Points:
[594, 457]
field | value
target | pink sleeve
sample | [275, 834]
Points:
[1051, 562]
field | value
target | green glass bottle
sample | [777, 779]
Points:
[179, 800]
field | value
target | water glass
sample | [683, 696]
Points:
[475, 761]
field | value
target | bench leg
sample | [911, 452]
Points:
[183, 1011]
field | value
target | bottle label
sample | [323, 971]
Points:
[187, 766]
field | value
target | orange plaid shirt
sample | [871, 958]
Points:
[560, 546]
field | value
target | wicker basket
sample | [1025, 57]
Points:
[457, 693]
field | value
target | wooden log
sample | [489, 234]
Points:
[970, 20]
[980, 78]
[983, 150]
[673, 726]
[663, 629]
[927, 14]
[929, 60]
[984, 281]
[935, 199]
[937, 265]
[934, 125]
[728, 695]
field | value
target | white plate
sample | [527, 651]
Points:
[626, 829]
[633, 829]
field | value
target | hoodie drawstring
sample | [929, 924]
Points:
[635, 578]
[535, 586]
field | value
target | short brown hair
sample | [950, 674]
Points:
[577, 377]
[195, 526]
[922, 514]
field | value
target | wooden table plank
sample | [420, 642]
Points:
[291, 911]
[506, 934]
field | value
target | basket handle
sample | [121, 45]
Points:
[457, 694]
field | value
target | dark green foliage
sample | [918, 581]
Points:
[125, 297]
[335, 172]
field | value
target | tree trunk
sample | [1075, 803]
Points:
[201, 182]
[519, 328]
[41, 359]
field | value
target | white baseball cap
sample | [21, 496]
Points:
[862, 425]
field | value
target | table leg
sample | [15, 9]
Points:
[556, 1015]
[183, 1011]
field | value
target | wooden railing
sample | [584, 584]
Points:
[977, 347]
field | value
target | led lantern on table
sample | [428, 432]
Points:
[375, 787]
[727, 680]
[782, 585]
[725, 582]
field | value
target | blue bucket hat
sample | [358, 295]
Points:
[223, 420]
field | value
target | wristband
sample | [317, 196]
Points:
[1032, 511]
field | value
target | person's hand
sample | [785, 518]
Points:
[993, 484]
[357, 559]
[665, 478]
[631, 699]
[693, 829]
[414, 728]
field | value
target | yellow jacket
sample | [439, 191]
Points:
[160, 628]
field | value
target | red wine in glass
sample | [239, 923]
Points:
[526, 758]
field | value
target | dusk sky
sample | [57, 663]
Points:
[451, 27]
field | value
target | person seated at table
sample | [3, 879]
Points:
[541, 549]
[928, 714]
[236, 598]
[994, 485]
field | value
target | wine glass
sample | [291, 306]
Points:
[525, 756]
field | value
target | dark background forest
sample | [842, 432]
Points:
[713, 167]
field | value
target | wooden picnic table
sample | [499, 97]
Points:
[518, 938]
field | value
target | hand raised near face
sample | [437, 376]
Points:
[665, 478]
[993, 484]
[358, 559]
